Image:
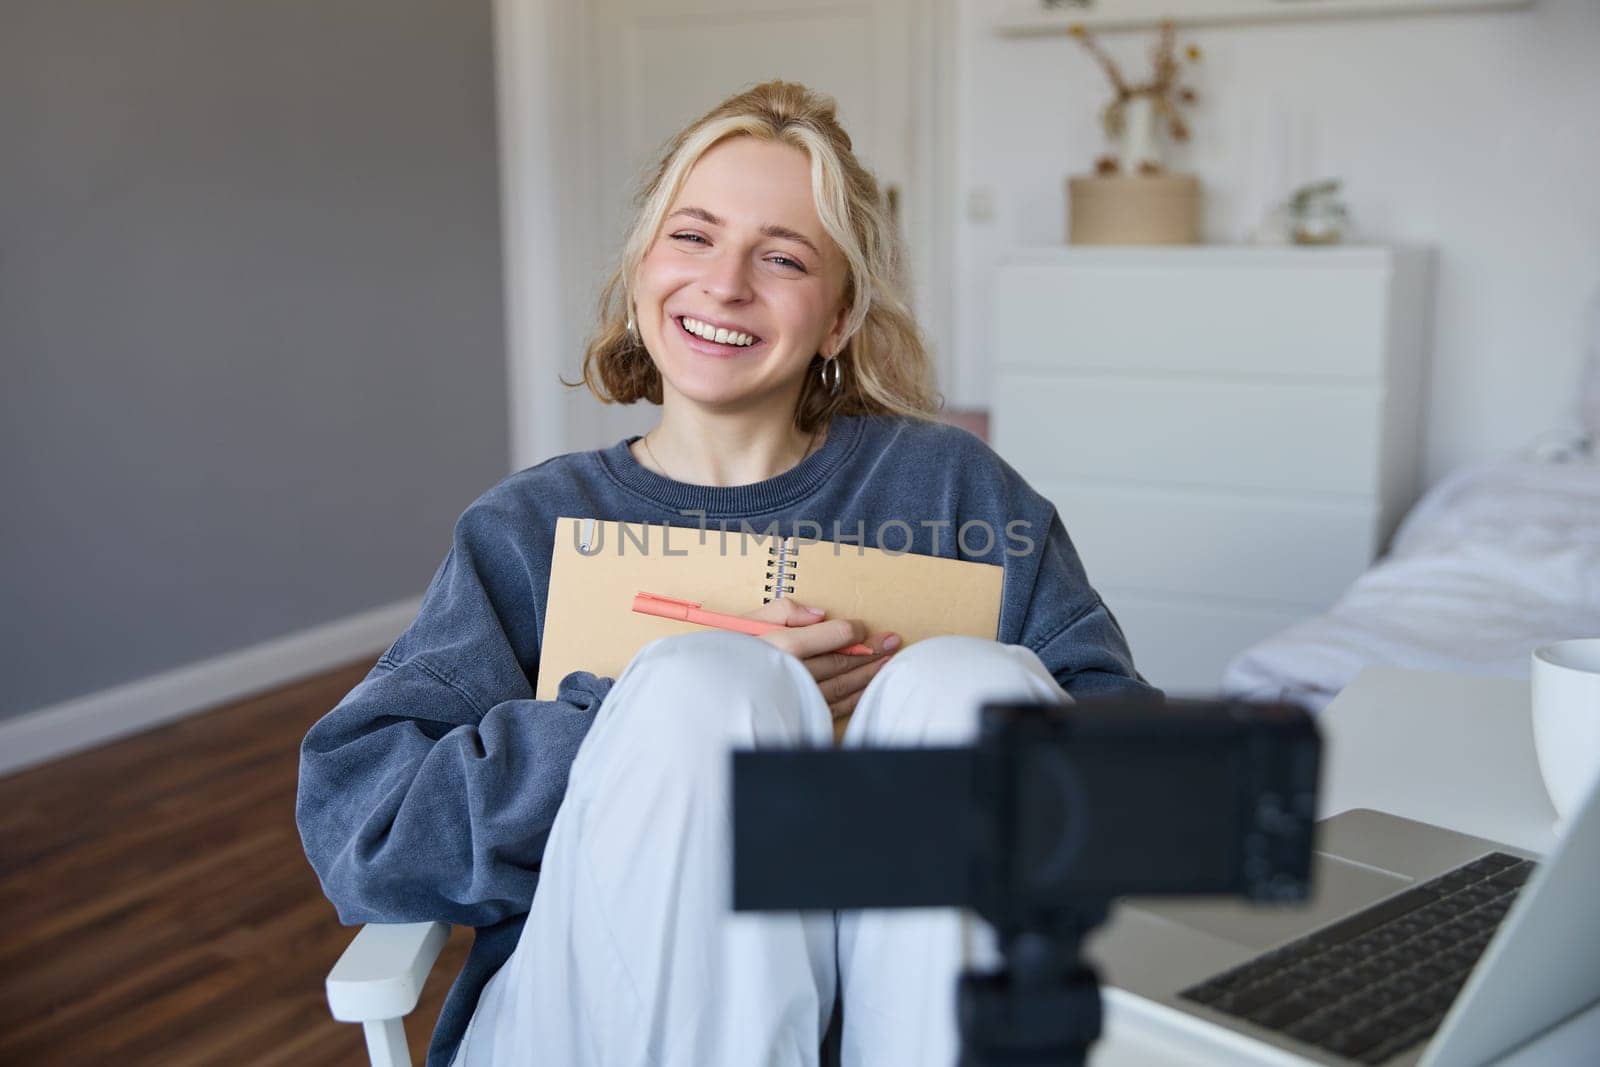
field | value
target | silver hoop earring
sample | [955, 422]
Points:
[831, 385]
[631, 331]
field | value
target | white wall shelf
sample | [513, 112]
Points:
[1022, 18]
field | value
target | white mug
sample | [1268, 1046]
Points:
[1566, 721]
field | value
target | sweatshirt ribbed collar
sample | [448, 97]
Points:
[733, 501]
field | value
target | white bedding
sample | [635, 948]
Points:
[1495, 560]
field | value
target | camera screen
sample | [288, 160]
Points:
[1113, 816]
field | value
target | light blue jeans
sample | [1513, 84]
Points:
[631, 954]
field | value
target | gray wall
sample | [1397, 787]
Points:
[251, 349]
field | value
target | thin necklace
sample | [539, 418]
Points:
[811, 443]
[645, 440]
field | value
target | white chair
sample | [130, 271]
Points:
[377, 982]
[379, 977]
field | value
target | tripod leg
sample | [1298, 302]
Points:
[1005, 1024]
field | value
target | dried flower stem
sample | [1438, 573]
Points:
[1162, 88]
[1118, 83]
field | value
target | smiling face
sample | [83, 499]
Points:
[741, 248]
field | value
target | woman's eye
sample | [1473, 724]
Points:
[784, 261]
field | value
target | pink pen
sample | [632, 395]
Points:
[690, 611]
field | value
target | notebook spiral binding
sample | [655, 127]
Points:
[781, 565]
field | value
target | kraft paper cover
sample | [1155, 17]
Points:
[590, 624]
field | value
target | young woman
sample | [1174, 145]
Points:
[758, 303]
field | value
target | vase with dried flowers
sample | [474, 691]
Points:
[1131, 198]
[1137, 110]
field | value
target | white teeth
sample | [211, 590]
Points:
[721, 336]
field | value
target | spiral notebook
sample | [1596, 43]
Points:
[597, 566]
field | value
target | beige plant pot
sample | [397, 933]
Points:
[1160, 209]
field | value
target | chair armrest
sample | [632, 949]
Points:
[381, 973]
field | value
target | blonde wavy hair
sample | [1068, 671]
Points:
[884, 365]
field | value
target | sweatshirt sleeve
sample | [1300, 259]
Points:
[1070, 628]
[428, 792]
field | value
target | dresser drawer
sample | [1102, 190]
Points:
[1296, 438]
[1228, 319]
[1294, 553]
[1185, 646]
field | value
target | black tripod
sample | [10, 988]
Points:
[1042, 1007]
[1054, 812]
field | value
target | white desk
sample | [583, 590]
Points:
[1448, 749]
[1439, 748]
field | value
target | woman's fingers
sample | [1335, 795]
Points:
[794, 616]
[839, 676]
[847, 687]
[786, 610]
[846, 707]
[831, 664]
[814, 639]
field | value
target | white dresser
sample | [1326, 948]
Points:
[1230, 434]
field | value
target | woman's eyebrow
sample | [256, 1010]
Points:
[772, 229]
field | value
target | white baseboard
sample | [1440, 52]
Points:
[91, 720]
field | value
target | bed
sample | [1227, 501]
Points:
[1494, 560]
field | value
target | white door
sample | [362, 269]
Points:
[655, 65]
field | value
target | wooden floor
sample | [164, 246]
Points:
[156, 908]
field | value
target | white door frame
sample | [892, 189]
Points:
[938, 79]
[531, 63]
[546, 153]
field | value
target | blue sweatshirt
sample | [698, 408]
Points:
[429, 791]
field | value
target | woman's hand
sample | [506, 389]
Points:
[814, 640]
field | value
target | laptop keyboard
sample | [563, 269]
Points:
[1380, 981]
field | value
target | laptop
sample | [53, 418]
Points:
[1419, 945]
